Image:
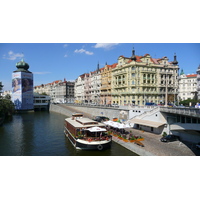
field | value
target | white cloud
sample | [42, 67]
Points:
[105, 45]
[83, 51]
[13, 56]
[65, 45]
[65, 55]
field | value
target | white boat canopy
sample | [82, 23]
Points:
[116, 125]
[96, 129]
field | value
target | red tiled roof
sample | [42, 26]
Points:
[191, 75]
[114, 65]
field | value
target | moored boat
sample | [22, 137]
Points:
[87, 134]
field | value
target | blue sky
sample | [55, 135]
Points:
[56, 61]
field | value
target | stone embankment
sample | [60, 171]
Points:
[152, 144]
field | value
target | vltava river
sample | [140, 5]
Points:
[42, 134]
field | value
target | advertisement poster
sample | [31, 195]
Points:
[22, 90]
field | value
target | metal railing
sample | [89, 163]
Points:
[192, 112]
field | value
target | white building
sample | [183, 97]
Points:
[187, 86]
[198, 83]
[59, 91]
[79, 89]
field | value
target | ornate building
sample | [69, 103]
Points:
[95, 86]
[198, 83]
[87, 87]
[141, 79]
[187, 86]
[106, 80]
[79, 89]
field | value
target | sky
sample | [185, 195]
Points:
[55, 61]
[67, 33]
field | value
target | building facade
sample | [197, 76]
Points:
[198, 83]
[79, 89]
[134, 80]
[187, 86]
[106, 80]
[141, 79]
[95, 86]
[59, 91]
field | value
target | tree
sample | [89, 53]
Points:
[188, 101]
[1, 88]
[6, 108]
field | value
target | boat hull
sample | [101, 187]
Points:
[86, 145]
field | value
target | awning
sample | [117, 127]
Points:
[147, 122]
[96, 129]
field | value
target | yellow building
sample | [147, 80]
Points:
[141, 79]
[105, 95]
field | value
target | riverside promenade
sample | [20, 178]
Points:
[152, 144]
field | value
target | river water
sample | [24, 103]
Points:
[42, 134]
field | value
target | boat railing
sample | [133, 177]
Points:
[90, 139]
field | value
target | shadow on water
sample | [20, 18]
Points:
[115, 150]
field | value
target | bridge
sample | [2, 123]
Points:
[191, 112]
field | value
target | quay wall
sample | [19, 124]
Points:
[60, 110]
[90, 111]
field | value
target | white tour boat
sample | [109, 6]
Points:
[87, 134]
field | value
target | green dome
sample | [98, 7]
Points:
[22, 66]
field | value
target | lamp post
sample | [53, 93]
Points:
[166, 88]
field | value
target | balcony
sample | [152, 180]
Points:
[168, 73]
[148, 85]
[120, 86]
[147, 71]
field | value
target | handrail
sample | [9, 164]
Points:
[195, 112]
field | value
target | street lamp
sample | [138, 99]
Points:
[166, 87]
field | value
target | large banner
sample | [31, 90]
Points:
[22, 90]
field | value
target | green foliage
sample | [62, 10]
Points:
[187, 102]
[133, 138]
[6, 107]
[1, 88]
[44, 93]
[164, 134]
[8, 97]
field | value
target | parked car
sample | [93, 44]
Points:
[100, 118]
[198, 145]
[150, 104]
[169, 138]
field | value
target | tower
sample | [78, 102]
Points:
[22, 87]
[133, 57]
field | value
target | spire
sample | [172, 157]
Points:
[175, 62]
[182, 72]
[133, 57]
[98, 67]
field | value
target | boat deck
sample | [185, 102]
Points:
[84, 123]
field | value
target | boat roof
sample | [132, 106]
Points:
[86, 121]
[77, 115]
[83, 122]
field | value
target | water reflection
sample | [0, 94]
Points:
[42, 134]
